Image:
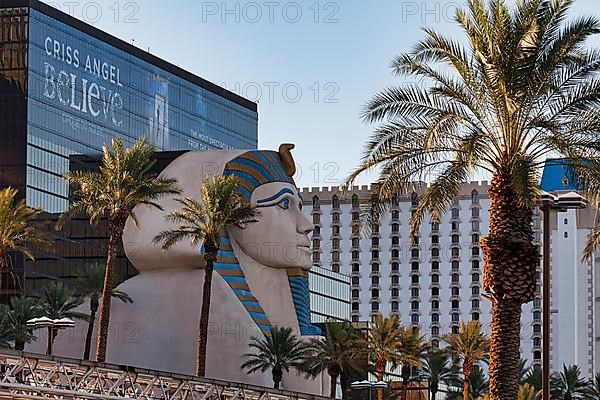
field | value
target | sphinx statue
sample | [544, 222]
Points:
[260, 279]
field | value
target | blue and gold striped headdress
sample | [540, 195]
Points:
[253, 169]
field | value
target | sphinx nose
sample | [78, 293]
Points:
[304, 226]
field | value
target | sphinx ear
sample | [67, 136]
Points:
[287, 160]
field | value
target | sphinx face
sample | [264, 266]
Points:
[280, 237]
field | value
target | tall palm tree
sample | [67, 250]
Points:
[412, 349]
[333, 353]
[470, 345]
[478, 384]
[279, 354]
[522, 86]
[21, 310]
[437, 368]
[568, 384]
[19, 229]
[7, 333]
[221, 207]
[90, 286]
[59, 301]
[534, 377]
[124, 181]
[380, 345]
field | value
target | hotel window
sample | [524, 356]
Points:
[355, 280]
[414, 318]
[335, 243]
[355, 202]
[395, 266]
[455, 291]
[475, 278]
[435, 239]
[537, 355]
[475, 226]
[455, 317]
[375, 241]
[316, 219]
[475, 303]
[395, 292]
[355, 306]
[335, 256]
[375, 306]
[316, 203]
[335, 202]
[414, 199]
[316, 256]
[355, 318]
[356, 230]
[395, 280]
[317, 230]
[435, 226]
[375, 254]
[537, 328]
[455, 265]
[435, 278]
[355, 293]
[475, 212]
[455, 213]
[395, 202]
[455, 330]
[335, 230]
[435, 305]
[435, 252]
[475, 251]
[455, 239]
[355, 216]
[435, 291]
[375, 293]
[414, 253]
[395, 306]
[537, 302]
[316, 243]
[435, 331]
[537, 315]
[474, 197]
[355, 255]
[455, 304]
[395, 228]
[374, 280]
[375, 267]
[475, 290]
[475, 264]
[355, 267]
[566, 221]
[435, 317]
[414, 279]
[375, 229]
[455, 252]
[414, 305]
[395, 240]
[435, 265]
[355, 242]
[395, 215]
[566, 235]
[414, 292]
[395, 253]
[475, 238]
[537, 342]
[454, 226]
[475, 316]
[335, 218]
[414, 266]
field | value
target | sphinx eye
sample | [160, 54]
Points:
[284, 204]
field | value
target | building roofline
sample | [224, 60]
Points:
[135, 51]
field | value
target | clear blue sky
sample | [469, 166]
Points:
[337, 53]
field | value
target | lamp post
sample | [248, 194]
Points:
[52, 325]
[368, 385]
[549, 202]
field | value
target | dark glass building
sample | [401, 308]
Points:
[67, 88]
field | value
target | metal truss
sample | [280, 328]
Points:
[35, 376]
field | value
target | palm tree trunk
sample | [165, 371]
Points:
[115, 227]
[344, 380]
[405, 377]
[510, 276]
[210, 257]
[380, 368]
[333, 386]
[277, 376]
[90, 330]
[467, 370]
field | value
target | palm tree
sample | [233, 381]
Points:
[527, 392]
[19, 229]
[333, 353]
[411, 349]
[478, 384]
[568, 384]
[124, 181]
[279, 354]
[470, 345]
[520, 88]
[91, 285]
[22, 309]
[534, 377]
[380, 345]
[221, 207]
[593, 392]
[437, 368]
[57, 302]
[7, 333]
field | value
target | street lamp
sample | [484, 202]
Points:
[52, 325]
[379, 385]
[549, 202]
